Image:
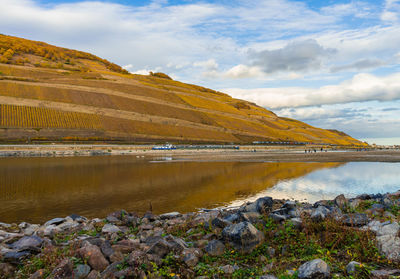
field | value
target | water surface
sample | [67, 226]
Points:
[37, 189]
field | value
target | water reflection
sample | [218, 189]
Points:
[350, 179]
[37, 189]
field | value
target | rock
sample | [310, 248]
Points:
[160, 248]
[297, 222]
[176, 243]
[117, 256]
[112, 219]
[261, 205]
[16, 257]
[6, 270]
[39, 274]
[341, 201]
[363, 197]
[277, 217]
[243, 236]
[355, 219]
[252, 217]
[170, 215]
[27, 242]
[215, 248]
[94, 257]
[227, 269]
[51, 230]
[94, 274]
[55, 221]
[351, 268]
[289, 205]
[232, 218]
[106, 248]
[320, 213]
[190, 258]
[81, 271]
[385, 273]
[110, 228]
[317, 269]
[125, 246]
[64, 270]
[268, 276]
[354, 203]
[219, 223]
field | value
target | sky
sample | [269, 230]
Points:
[334, 64]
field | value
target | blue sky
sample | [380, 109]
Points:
[333, 64]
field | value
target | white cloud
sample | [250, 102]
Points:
[391, 11]
[361, 88]
[209, 64]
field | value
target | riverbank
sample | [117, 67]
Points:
[269, 238]
[245, 153]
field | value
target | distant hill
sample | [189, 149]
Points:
[58, 94]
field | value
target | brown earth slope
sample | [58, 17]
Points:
[52, 93]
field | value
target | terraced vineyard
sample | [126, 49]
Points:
[72, 94]
[34, 117]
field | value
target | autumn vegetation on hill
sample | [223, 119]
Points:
[52, 93]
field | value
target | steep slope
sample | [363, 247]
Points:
[52, 93]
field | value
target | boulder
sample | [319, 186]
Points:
[243, 236]
[315, 269]
[261, 205]
[64, 270]
[219, 223]
[355, 219]
[81, 271]
[215, 248]
[94, 257]
[110, 228]
[351, 268]
[341, 201]
[27, 242]
[160, 248]
[320, 213]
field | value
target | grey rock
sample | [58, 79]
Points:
[297, 222]
[268, 276]
[81, 271]
[170, 215]
[355, 219]
[354, 203]
[277, 217]
[294, 213]
[177, 244]
[160, 248]
[341, 201]
[220, 223]
[16, 257]
[351, 268]
[289, 205]
[215, 248]
[314, 269]
[261, 205]
[232, 218]
[385, 273]
[227, 269]
[94, 257]
[54, 221]
[252, 217]
[64, 270]
[27, 242]
[243, 236]
[106, 249]
[190, 259]
[110, 228]
[320, 213]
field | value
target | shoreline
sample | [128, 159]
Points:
[245, 153]
[268, 238]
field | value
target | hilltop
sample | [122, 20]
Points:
[49, 93]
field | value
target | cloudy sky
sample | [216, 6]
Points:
[333, 63]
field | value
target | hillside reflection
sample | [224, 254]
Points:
[37, 189]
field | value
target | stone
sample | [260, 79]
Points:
[190, 259]
[110, 228]
[243, 236]
[219, 223]
[355, 219]
[268, 276]
[261, 205]
[51, 230]
[232, 218]
[106, 248]
[116, 257]
[252, 217]
[170, 215]
[160, 248]
[94, 274]
[385, 273]
[317, 269]
[27, 242]
[227, 269]
[16, 257]
[81, 271]
[297, 222]
[6, 270]
[55, 221]
[215, 248]
[125, 246]
[341, 201]
[277, 217]
[320, 213]
[177, 244]
[351, 268]
[64, 270]
[289, 205]
[39, 274]
[354, 203]
[94, 257]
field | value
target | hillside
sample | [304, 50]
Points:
[53, 93]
